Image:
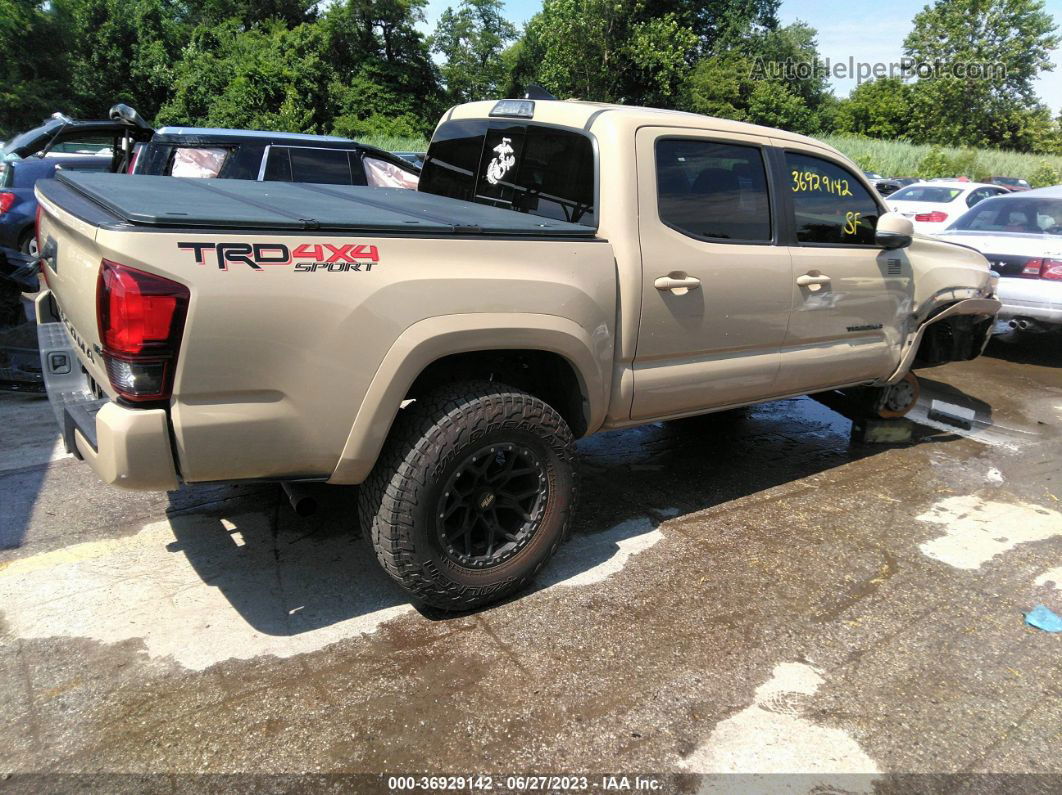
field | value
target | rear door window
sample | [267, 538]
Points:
[278, 165]
[323, 166]
[713, 190]
[530, 168]
[830, 205]
[314, 165]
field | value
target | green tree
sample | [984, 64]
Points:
[759, 83]
[720, 85]
[1012, 37]
[659, 52]
[267, 78]
[119, 51]
[361, 68]
[774, 105]
[251, 12]
[637, 52]
[381, 63]
[877, 109]
[1044, 175]
[34, 71]
[575, 48]
[934, 164]
[472, 39]
[722, 24]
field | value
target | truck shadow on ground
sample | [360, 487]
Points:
[1043, 350]
[286, 575]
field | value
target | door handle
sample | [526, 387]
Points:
[671, 283]
[808, 279]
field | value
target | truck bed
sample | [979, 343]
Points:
[184, 203]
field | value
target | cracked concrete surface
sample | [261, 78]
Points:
[744, 592]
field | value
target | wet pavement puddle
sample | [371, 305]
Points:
[976, 530]
[773, 735]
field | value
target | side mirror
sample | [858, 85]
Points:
[894, 231]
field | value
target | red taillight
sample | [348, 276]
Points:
[6, 200]
[1032, 269]
[934, 217]
[141, 318]
[1043, 269]
[1052, 269]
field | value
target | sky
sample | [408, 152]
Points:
[869, 34]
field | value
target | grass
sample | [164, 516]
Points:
[902, 159]
[396, 143]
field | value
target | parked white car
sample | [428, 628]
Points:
[933, 206]
[1020, 235]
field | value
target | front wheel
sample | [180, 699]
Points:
[472, 494]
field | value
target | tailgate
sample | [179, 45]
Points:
[71, 267]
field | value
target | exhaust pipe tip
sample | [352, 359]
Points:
[1024, 324]
[302, 502]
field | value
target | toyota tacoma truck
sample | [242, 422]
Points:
[564, 268]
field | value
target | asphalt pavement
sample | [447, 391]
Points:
[748, 593]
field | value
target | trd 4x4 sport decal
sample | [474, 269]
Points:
[306, 257]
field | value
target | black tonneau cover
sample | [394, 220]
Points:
[243, 204]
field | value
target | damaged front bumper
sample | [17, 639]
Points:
[958, 333]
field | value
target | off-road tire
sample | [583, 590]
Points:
[398, 502]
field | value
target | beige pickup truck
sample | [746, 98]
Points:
[565, 268]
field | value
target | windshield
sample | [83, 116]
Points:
[1011, 214]
[925, 193]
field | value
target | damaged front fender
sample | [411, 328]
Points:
[958, 332]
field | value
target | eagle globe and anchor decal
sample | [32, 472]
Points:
[504, 160]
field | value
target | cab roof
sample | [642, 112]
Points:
[584, 114]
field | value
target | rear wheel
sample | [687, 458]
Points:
[472, 494]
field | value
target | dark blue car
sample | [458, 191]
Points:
[18, 205]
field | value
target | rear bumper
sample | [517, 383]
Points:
[1037, 299]
[125, 447]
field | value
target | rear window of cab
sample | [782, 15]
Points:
[531, 168]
